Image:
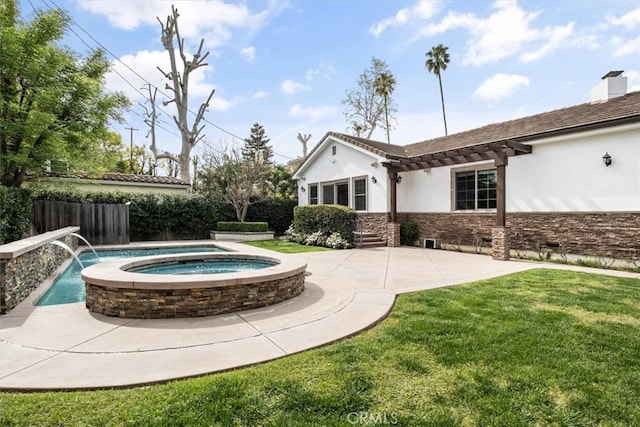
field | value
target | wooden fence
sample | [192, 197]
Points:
[100, 223]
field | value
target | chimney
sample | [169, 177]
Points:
[613, 84]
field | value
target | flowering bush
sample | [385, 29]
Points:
[336, 241]
[317, 238]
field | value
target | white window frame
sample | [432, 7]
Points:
[366, 192]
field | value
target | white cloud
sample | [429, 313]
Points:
[422, 9]
[214, 21]
[291, 87]
[626, 47]
[323, 70]
[556, 37]
[249, 53]
[629, 20]
[506, 32]
[260, 94]
[500, 86]
[313, 113]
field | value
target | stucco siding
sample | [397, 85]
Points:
[347, 163]
[563, 174]
[568, 175]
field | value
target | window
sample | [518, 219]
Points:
[313, 194]
[475, 189]
[360, 194]
[328, 195]
[333, 150]
[335, 193]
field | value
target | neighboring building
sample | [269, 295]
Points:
[122, 182]
[567, 179]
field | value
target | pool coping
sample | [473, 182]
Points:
[114, 274]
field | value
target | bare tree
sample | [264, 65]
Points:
[304, 139]
[235, 177]
[191, 134]
[364, 108]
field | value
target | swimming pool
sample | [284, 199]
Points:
[69, 286]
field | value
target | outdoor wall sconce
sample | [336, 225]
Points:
[373, 179]
[607, 159]
[398, 180]
[302, 189]
[304, 178]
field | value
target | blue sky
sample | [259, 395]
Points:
[286, 65]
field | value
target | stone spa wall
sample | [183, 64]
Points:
[26, 263]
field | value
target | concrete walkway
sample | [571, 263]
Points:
[66, 347]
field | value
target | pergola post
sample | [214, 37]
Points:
[500, 234]
[393, 228]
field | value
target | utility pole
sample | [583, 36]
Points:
[131, 148]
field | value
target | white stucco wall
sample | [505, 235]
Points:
[348, 162]
[564, 174]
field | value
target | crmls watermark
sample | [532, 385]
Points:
[372, 418]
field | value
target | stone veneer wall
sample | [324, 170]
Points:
[21, 275]
[173, 303]
[375, 223]
[597, 234]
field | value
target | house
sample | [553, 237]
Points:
[122, 182]
[567, 179]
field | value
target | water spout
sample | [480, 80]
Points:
[88, 244]
[68, 249]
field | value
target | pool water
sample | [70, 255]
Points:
[69, 286]
[216, 266]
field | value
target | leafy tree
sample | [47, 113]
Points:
[437, 60]
[52, 101]
[136, 160]
[256, 145]
[384, 86]
[279, 183]
[364, 107]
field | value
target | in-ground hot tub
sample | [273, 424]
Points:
[116, 289]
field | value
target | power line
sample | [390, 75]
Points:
[137, 74]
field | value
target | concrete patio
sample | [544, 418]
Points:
[66, 347]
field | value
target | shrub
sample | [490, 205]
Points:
[278, 213]
[16, 207]
[315, 224]
[408, 233]
[241, 226]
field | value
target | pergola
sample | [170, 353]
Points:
[498, 151]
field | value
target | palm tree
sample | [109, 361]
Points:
[384, 86]
[437, 60]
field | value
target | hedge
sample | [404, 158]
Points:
[180, 216]
[325, 220]
[242, 226]
[16, 209]
[278, 213]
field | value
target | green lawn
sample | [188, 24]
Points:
[285, 246]
[535, 348]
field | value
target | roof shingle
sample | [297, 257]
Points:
[564, 120]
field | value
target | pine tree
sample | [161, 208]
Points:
[255, 147]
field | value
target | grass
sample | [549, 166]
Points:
[285, 246]
[539, 348]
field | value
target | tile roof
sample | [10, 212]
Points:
[147, 179]
[565, 120]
